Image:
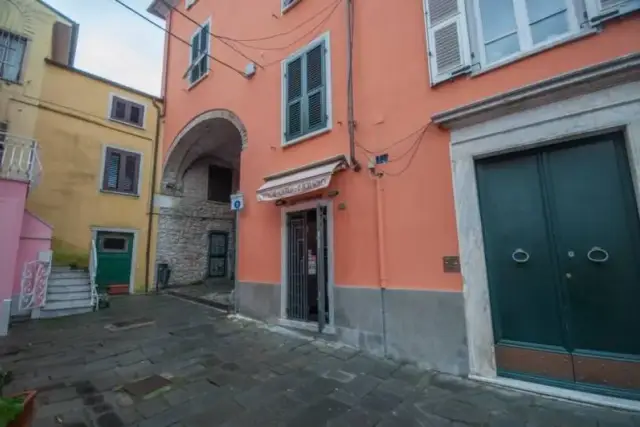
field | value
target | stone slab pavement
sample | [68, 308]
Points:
[225, 371]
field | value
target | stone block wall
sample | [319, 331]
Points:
[183, 229]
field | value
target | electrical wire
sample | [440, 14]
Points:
[413, 155]
[287, 46]
[382, 150]
[220, 38]
[213, 58]
[284, 33]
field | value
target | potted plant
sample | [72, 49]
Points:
[16, 410]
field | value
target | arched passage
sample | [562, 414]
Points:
[196, 228]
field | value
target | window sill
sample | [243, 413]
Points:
[197, 82]
[122, 122]
[565, 40]
[305, 137]
[120, 193]
[11, 82]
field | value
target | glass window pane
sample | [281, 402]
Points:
[540, 9]
[548, 28]
[502, 48]
[114, 244]
[498, 18]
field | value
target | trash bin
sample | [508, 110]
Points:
[162, 276]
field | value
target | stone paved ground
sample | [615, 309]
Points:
[230, 372]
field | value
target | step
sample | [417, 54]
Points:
[69, 296]
[58, 305]
[50, 314]
[68, 274]
[54, 281]
[63, 289]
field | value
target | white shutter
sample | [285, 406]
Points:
[601, 10]
[447, 39]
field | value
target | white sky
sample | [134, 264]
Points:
[115, 43]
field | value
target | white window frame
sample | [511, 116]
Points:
[189, 3]
[326, 38]
[113, 95]
[103, 160]
[523, 31]
[284, 9]
[201, 57]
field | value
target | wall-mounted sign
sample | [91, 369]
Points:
[237, 201]
[294, 188]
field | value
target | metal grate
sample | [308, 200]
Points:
[297, 307]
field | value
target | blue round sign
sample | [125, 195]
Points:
[237, 204]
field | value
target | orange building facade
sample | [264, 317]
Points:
[355, 132]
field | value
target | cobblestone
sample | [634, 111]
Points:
[233, 373]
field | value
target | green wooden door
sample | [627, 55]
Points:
[562, 244]
[114, 258]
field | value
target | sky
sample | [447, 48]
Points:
[115, 43]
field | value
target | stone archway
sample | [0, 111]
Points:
[201, 170]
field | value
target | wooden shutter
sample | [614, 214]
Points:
[129, 181]
[601, 10]
[195, 52]
[293, 111]
[447, 39]
[315, 87]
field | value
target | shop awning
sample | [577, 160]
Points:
[300, 180]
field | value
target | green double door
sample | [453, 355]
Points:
[114, 252]
[562, 245]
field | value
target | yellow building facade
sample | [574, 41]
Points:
[97, 144]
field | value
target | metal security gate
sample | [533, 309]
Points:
[307, 266]
[297, 295]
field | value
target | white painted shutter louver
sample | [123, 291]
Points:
[447, 39]
[601, 10]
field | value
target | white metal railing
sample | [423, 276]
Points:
[33, 286]
[93, 268]
[19, 158]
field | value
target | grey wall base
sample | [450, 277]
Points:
[422, 327]
[426, 328]
[258, 300]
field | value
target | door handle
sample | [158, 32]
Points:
[592, 255]
[520, 256]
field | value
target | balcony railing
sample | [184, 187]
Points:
[19, 158]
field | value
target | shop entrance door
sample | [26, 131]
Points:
[307, 266]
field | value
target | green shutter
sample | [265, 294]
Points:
[315, 89]
[294, 99]
[195, 50]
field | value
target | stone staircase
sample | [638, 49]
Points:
[68, 293]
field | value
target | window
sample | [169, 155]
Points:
[3, 136]
[114, 243]
[121, 171]
[126, 111]
[306, 108]
[288, 4]
[12, 49]
[189, 3]
[220, 183]
[508, 27]
[199, 59]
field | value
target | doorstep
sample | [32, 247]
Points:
[561, 393]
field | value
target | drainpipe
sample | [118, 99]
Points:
[382, 259]
[152, 199]
[350, 115]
